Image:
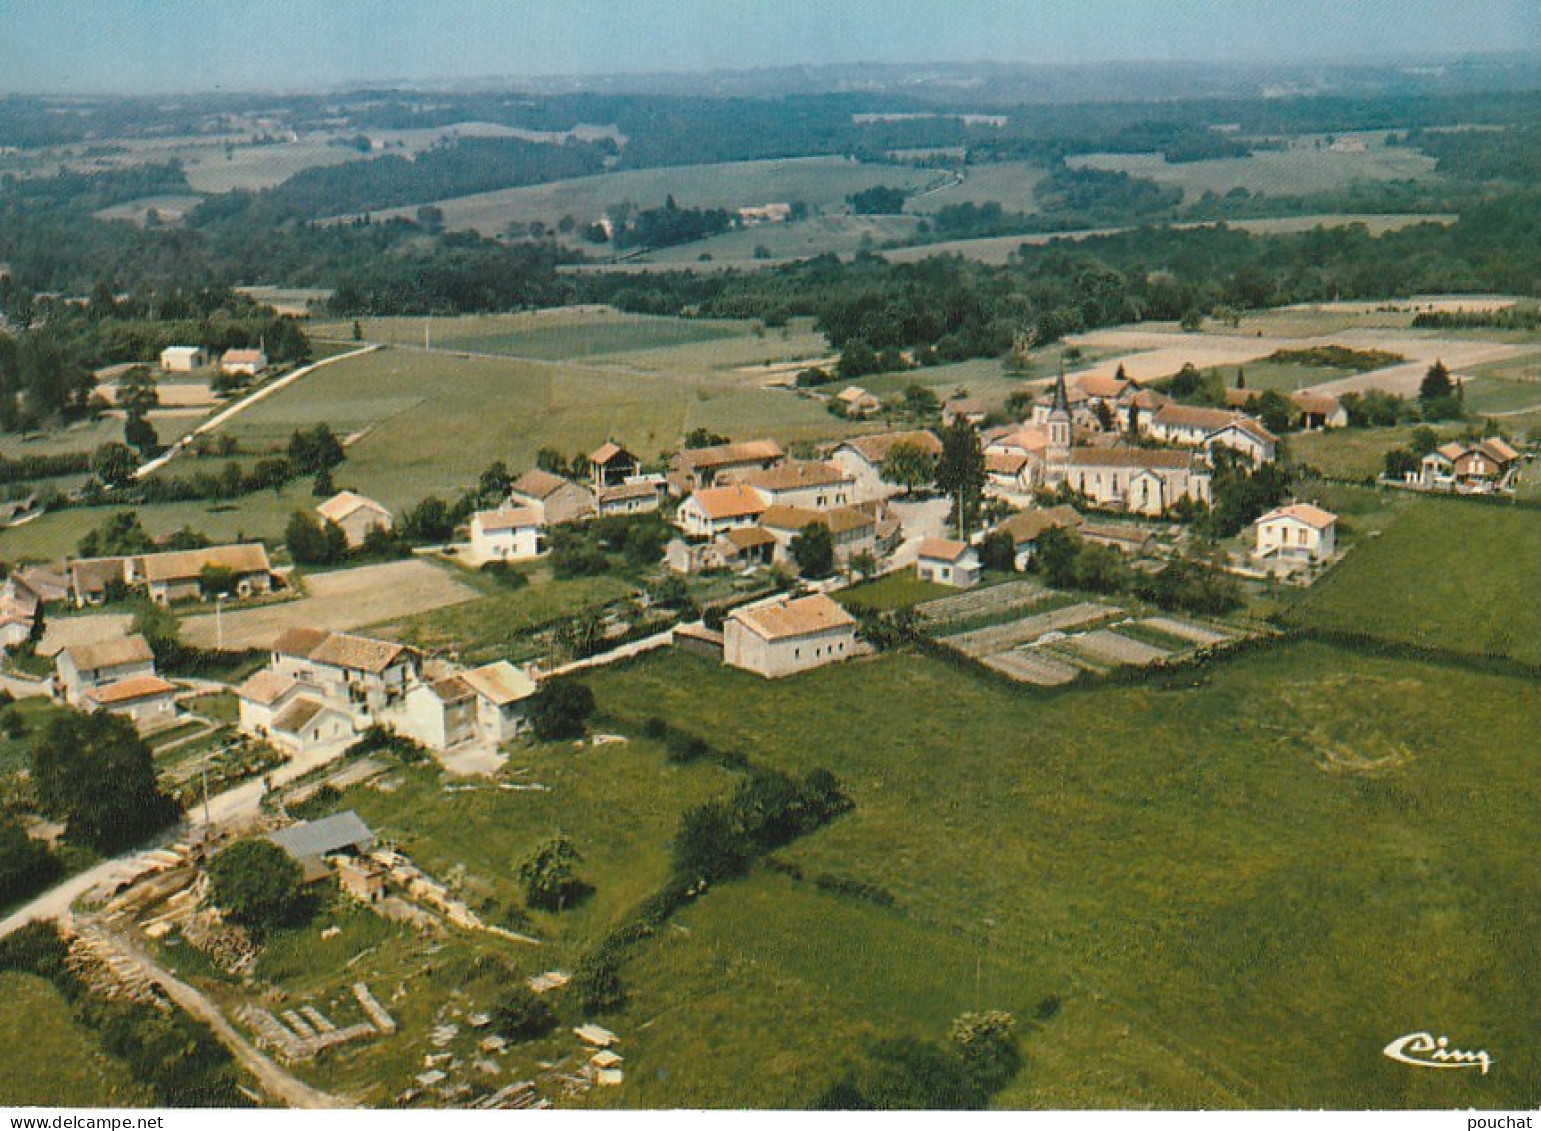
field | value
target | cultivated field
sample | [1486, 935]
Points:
[1216, 882]
[339, 600]
[820, 182]
[1305, 167]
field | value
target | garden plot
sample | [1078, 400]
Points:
[1003, 637]
[1032, 666]
[1199, 634]
[978, 603]
[1109, 648]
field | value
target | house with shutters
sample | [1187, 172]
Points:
[1471, 468]
[716, 510]
[800, 483]
[1299, 532]
[363, 675]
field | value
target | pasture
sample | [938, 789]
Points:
[1453, 574]
[1218, 882]
[50, 1060]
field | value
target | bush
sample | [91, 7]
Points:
[550, 876]
[26, 865]
[521, 1015]
[505, 575]
[597, 983]
[560, 709]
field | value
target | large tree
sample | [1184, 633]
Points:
[257, 884]
[813, 549]
[96, 774]
[908, 465]
[960, 472]
[550, 875]
[560, 708]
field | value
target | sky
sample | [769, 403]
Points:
[152, 46]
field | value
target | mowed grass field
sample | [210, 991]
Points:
[49, 1060]
[432, 422]
[1447, 573]
[1240, 890]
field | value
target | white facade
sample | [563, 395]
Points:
[183, 359]
[789, 636]
[505, 536]
[1306, 533]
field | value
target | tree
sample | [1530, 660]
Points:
[96, 774]
[140, 434]
[428, 523]
[114, 464]
[520, 1014]
[998, 552]
[1436, 383]
[960, 472]
[864, 564]
[908, 465]
[313, 542]
[315, 451]
[1400, 463]
[550, 876]
[560, 709]
[1274, 411]
[216, 580]
[137, 391]
[26, 865]
[813, 549]
[259, 885]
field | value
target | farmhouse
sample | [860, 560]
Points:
[645, 493]
[946, 562]
[239, 570]
[83, 667]
[788, 636]
[799, 483]
[554, 500]
[355, 515]
[1299, 532]
[862, 459]
[741, 547]
[1318, 411]
[857, 403]
[1184, 424]
[183, 359]
[695, 468]
[91, 578]
[853, 530]
[367, 675]
[307, 724]
[1025, 527]
[147, 701]
[716, 510]
[971, 410]
[262, 696]
[483, 704]
[250, 363]
[17, 615]
[610, 465]
[509, 535]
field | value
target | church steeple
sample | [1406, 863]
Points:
[1059, 422]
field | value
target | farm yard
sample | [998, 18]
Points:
[1192, 873]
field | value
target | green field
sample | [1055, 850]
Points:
[1447, 573]
[1220, 882]
[898, 590]
[1302, 169]
[35, 714]
[49, 1060]
[820, 182]
[1350, 453]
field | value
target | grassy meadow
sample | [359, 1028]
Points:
[51, 1061]
[1219, 882]
[1447, 573]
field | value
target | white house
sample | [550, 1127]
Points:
[1248, 437]
[308, 723]
[716, 510]
[801, 483]
[511, 535]
[1300, 532]
[183, 359]
[502, 693]
[482, 704]
[82, 667]
[788, 636]
[147, 701]
[247, 362]
[948, 563]
[355, 515]
[1183, 424]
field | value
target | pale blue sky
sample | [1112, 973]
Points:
[182, 45]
